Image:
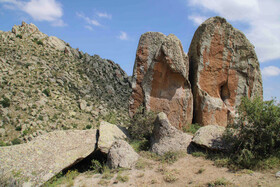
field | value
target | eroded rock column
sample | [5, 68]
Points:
[223, 68]
[160, 78]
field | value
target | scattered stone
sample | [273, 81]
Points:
[47, 155]
[223, 69]
[210, 137]
[160, 78]
[167, 138]
[277, 175]
[122, 155]
[108, 134]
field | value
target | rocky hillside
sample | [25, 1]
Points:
[46, 85]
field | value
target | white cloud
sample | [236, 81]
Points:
[197, 19]
[123, 36]
[89, 27]
[40, 10]
[104, 15]
[262, 17]
[88, 20]
[270, 71]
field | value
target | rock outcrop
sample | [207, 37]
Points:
[108, 134]
[121, 155]
[211, 137]
[160, 78]
[39, 160]
[54, 86]
[167, 138]
[223, 68]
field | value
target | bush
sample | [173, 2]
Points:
[16, 141]
[5, 102]
[39, 42]
[191, 128]
[19, 36]
[256, 136]
[47, 92]
[141, 125]
[88, 127]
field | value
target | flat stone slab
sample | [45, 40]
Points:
[38, 161]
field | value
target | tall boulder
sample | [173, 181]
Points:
[223, 68]
[160, 78]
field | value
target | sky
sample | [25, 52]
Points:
[112, 28]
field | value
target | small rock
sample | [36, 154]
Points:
[108, 134]
[277, 175]
[210, 136]
[167, 138]
[122, 155]
[83, 105]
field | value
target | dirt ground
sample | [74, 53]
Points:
[187, 171]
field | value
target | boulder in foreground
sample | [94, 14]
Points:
[108, 134]
[210, 137]
[121, 155]
[39, 160]
[167, 138]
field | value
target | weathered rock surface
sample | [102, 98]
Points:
[108, 134]
[223, 68]
[210, 137]
[160, 78]
[39, 160]
[121, 155]
[167, 138]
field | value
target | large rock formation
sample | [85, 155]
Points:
[167, 138]
[160, 78]
[39, 160]
[223, 68]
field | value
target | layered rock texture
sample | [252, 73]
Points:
[223, 68]
[160, 78]
[46, 85]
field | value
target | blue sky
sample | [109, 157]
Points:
[112, 28]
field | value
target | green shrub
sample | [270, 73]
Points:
[170, 157]
[39, 42]
[256, 135]
[47, 92]
[5, 102]
[16, 141]
[96, 166]
[18, 128]
[88, 127]
[122, 178]
[141, 125]
[191, 128]
[19, 36]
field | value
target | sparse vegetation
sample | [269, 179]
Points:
[16, 141]
[191, 128]
[256, 135]
[141, 125]
[219, 182]
[5, 102]
[19, 36]
[122, 178]
[59, 179]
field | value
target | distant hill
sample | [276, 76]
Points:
[46, 85]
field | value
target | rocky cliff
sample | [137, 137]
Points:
[160, 78]
[223, 69]
[46, 85]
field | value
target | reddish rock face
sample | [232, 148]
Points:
[160, 78]
[223, 68]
